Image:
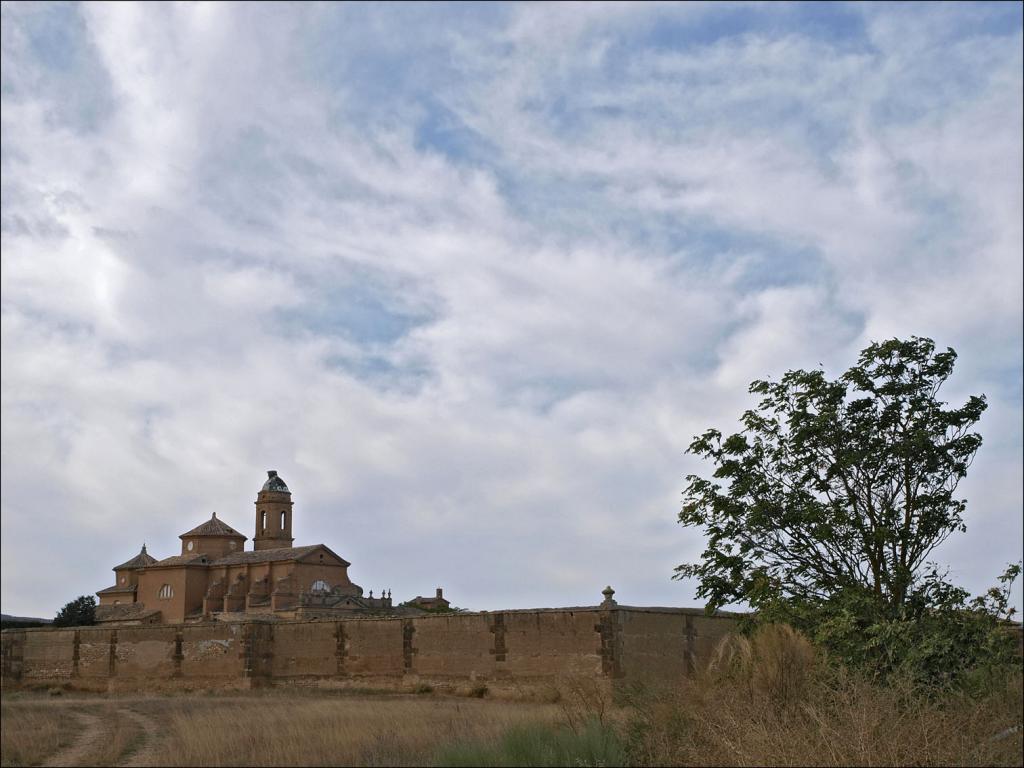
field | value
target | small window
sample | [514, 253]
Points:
[123, 579]
[117, 602]
[263, 518]
[284, 521]
[166, 592]
[320, 586]
[231, 544]
[191, 545]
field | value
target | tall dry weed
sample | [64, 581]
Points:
[30, 732]
[583, 701]
[769, 700]
[777, 663]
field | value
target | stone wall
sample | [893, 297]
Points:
[508, 648]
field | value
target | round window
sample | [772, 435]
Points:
[191, 545]
[231, 545]
[122, 579]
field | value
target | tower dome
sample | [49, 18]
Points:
[275, 482]
[273, 514]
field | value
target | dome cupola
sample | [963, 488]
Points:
[273, 514]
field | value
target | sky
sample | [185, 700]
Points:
[470, 277]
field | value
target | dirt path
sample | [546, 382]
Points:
[87, 742]
[146, 752]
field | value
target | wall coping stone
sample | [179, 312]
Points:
[289, 622]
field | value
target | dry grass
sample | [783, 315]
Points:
[35, 731]
[121, 736]
[765, 701]
[269, 728]
[32, 731]
[770, 701]
[337, 731]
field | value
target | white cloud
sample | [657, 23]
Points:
[477, 359]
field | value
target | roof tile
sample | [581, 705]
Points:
[141, 560]
[213, 527]
[266, 555]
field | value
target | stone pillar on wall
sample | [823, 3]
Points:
[408, 650]
[340, 648]
[257, 651]
[13, 646]
[609, 627]
[499, 649]
[75, 657]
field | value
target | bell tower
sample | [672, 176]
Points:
[273, 514]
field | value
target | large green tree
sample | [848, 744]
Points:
[79, 612]
[834, 484]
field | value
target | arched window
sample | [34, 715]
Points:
[284, 520]
[166, 592]
[263, 516]
[320, 586]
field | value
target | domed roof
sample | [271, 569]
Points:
[141, 560]
[275, 483]
[213, 527]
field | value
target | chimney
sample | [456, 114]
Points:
[440, 594]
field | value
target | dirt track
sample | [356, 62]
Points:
[95, 730]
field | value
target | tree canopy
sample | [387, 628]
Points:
[837, 483]
[79, 612]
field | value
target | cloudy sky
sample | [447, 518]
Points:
[470, 277]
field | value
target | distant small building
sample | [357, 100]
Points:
[214, 577]
[430, 603]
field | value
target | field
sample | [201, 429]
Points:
[768, 700]
[768, 721]
[272, 728]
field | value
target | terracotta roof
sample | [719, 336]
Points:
[181, 560]
[269, 555]
[213, 527]
[141, 560]
[241, 558]
[130, 588]
[132, 612]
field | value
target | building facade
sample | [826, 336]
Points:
[214, 576]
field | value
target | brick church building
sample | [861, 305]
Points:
[214, 577]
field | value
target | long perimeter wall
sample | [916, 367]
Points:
[499, 649]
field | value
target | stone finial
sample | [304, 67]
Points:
[608, 592]
[214, 515]
[143, 547]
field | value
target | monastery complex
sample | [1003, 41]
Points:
[219, 616]
[215, 577]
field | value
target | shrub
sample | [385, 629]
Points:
[939, 639]
[749, 709]
[530, 745]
